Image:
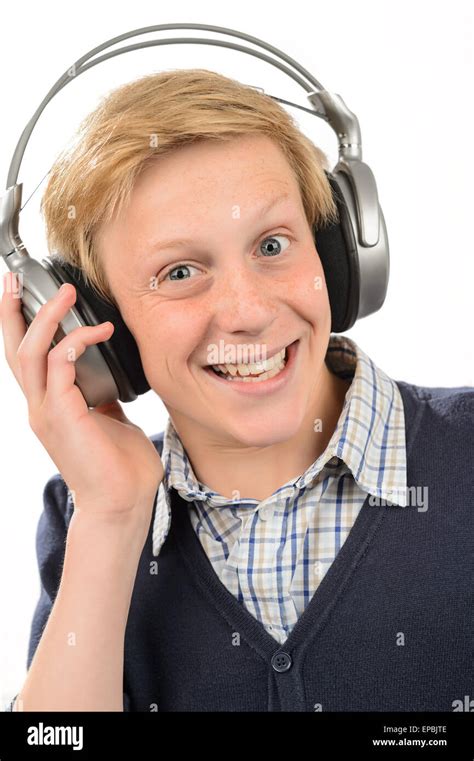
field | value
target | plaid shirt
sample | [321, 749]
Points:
[272, 554]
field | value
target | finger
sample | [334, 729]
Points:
[14, 325]
[61, 371]
[32, 353]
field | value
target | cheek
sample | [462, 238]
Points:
[309, 293]
[165, 337]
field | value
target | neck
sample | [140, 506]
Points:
[256, 473]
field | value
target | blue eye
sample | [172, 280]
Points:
[177, 269]
[274, 247]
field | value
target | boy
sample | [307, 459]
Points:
[311, 541]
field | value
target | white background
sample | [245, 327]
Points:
[405, 69]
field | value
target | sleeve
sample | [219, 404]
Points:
[51, 535]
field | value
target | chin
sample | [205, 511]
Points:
[264, 432]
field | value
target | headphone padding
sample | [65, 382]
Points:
[337, 249]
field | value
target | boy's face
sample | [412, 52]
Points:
[222, 287]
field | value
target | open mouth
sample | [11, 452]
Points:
[257, 373]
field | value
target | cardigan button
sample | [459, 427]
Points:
[281, 661]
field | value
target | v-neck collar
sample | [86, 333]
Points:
[333, 583]
[318, 608]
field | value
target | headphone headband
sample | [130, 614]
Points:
[343, 122]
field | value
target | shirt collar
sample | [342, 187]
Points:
[369, 441]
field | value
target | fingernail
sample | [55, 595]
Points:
[6, 287]
[63, 291]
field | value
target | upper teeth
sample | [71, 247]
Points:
[278, 360]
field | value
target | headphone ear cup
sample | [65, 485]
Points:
[120, 351]
[337, 250]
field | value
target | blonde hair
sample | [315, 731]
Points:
[92, 180]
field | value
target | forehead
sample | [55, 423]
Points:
[245, 168]
[200, 186]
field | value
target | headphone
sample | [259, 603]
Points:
[354, 252]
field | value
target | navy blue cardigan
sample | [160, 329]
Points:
[390, 628]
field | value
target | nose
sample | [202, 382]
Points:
[242, 301]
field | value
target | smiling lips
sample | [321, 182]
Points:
[252, 372]
[269, 381]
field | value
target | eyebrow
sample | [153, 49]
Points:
[177, 242]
